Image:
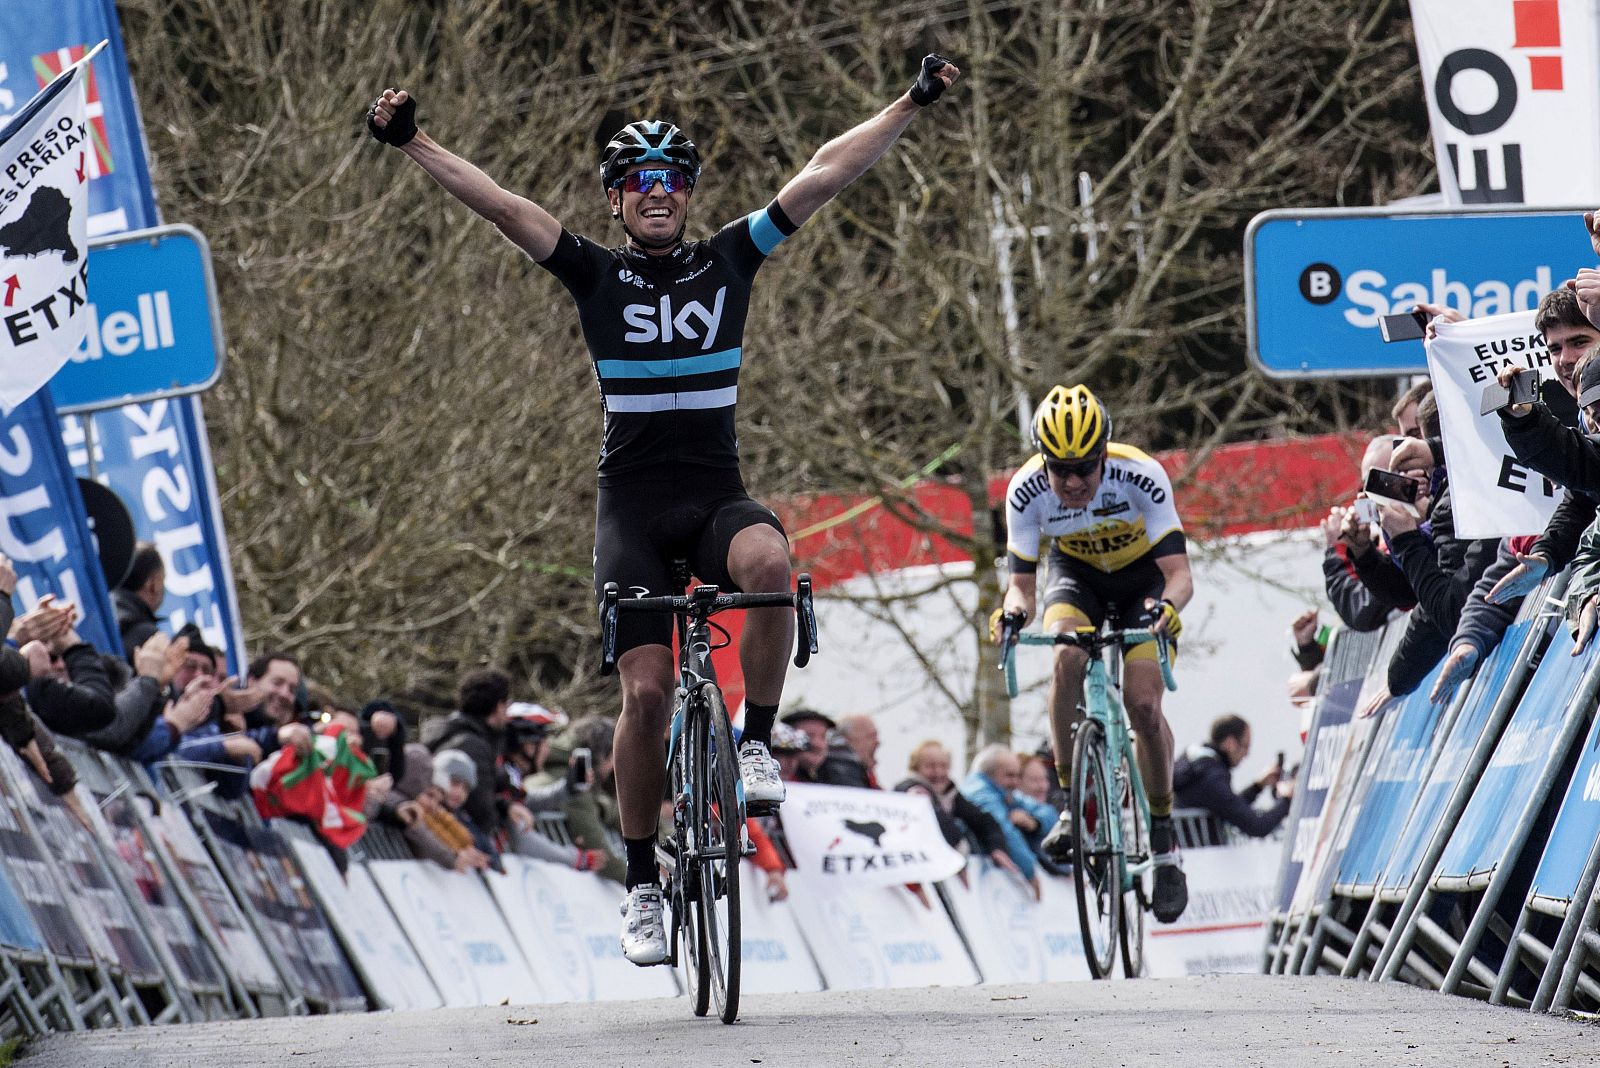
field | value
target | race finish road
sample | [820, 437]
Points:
[1221, 1022]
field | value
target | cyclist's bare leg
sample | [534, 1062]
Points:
[641, 747]
[1142, 687]
[1065, 701]
[758, 560]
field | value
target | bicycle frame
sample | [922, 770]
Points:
[1102, 702]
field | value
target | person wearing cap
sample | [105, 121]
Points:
[455, 775]
[817, 728]
[1440, 566]
[789, 745]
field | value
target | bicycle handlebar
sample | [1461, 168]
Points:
[1012, 635]
[703, 602]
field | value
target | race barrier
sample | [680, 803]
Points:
[1465, 851]
[156, 899]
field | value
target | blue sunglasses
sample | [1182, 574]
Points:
[671, 180]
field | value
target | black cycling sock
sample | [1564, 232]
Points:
[1161, 834]
[641, 854]
[758, 720]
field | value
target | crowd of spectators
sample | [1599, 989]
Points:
[1456, 596]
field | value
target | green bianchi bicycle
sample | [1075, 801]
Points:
[1112, 871]
[708, 811]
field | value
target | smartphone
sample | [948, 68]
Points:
[1392, 487]
[380, 759]
[1366, 510]
[578, 766]
[1281, 767]
[1410, 327]
[1524, 389]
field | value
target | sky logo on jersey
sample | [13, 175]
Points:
[652, 322]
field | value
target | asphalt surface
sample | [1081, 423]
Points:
[1218, 1022]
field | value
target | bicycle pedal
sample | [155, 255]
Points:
[762, 808]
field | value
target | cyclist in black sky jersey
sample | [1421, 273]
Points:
[663, 319]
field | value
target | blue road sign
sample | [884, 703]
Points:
[154, 328]
[1317, 282]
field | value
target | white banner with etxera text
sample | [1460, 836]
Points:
[1512, 98]
[1493, 495]
[866, 837]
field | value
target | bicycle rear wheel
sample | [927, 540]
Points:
[719, 814]
[1136, 850]
[1096, 871]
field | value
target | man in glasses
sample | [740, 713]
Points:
[1115, 542]
[664, 319]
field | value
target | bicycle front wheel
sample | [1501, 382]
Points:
[720, 815]
[689, 942]
[1096, 871]
[1136, 846]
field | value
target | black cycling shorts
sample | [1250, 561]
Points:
[690, 513]
[1091, 591]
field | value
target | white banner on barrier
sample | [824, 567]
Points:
[1014, 938]
[877, 936]
[452, 921]
[371, 935]
[775, 959]
[1231, 891]
[1494, 496]
[567, 924]
[866, 837]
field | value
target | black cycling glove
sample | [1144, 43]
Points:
[402, 127]
[929, 85]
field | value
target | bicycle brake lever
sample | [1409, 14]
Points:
[806, 618]
[608, 630]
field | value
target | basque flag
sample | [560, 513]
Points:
[44, 233]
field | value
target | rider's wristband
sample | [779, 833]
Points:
[929, 85]
[402, 125]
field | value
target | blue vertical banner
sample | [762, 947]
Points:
[40, 38]
[43, 527]
[154, 455]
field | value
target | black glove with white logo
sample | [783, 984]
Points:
[402, 126]
[929, 85]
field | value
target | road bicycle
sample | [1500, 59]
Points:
[701, 858]
[1112, 869]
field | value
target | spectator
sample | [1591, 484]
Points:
[996, 774]
[455, 773]
[964, 824]
[250, 723]
[145, 697]
[592, 818]
[815, 726]
[383, 737]
[414, 806]
[1363, 585]
[1405, 409]
[139, 596]
[1033, 813]
[852, 754]
[69, 689]
[789, 745]
[528, 729]
[477, 729]
[1202, 778]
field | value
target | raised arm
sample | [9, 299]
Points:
[392, 120]
[851, 154]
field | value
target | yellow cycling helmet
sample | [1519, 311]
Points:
[1071, 424]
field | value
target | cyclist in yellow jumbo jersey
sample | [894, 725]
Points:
[1115, 541]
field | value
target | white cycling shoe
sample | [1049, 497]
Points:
[644, 928]
[759, 770]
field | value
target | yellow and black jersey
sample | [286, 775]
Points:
[1132, 516]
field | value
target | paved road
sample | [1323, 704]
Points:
[1222, 1022]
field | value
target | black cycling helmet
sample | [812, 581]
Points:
[648, 141]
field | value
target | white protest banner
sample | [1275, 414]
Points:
[44, 234]
[1493, 495]
[458, 933]
[566, 923]
[866, 936]
[1512, 99]
[371, 935]
[866, 837]
[1230, 892]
